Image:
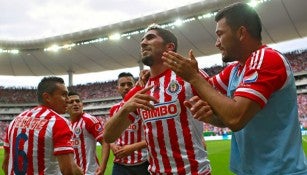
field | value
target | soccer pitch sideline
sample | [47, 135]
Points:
[218, 154]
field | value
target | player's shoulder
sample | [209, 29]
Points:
[268, 54]
[89, 118]
[265, 58]
[228, 68]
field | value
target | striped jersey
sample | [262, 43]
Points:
[33, 140]
[87, 130]
[173, 136]
[256, 76]
[274, 131]
[133, 134]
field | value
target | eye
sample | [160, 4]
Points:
[129, 84]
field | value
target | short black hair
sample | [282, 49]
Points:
[166, 35]
[47, 84]
[124, 74]
[241, 14]
[70, 93]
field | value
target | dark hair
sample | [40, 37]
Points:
[124, 74]
[47, 84]
[166, 35]
[241, 14]
[70, 93]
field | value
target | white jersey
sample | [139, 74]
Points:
[86, 132]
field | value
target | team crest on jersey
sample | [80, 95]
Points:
[77, 131]
[251, 78]
[173, 88]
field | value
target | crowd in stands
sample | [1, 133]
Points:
[17, 95]
[3, 126]
[302, 111]
[97, 90]
[101, 90]
[298, 60]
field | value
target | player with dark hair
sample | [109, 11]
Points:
[174, 138]
[38, 141]
[131, 155]
[261, 103]
[87, 131]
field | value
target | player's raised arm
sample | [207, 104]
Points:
[120, 121]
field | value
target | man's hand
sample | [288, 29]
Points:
[100, 171]
[186, 68]
[143, 78]
[140, 100]
[124, 151]
[200, 109]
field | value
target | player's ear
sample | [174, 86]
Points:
[170, 46]
[242, 32]
[46, 97]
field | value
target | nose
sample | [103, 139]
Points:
[217, 42]
[67, 98]
[143, 43]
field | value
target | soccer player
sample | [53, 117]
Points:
[38, 141]
[261, 102]
[87, 131]
[130, 150]
[174, 138]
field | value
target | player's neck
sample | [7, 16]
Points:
[157, 69]
[75, 118]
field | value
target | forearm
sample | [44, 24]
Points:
[5, 162]
[105, 155]
[116, 125]
[140, 145]
[216, 121]
[67, 164]
[228, 112]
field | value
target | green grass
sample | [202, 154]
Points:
[218, 154]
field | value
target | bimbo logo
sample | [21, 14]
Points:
[162, 111]
[75, 142]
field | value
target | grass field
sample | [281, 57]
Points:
[218, 155]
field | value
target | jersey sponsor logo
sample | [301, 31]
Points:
[98, 127]
[251, 78]
[75, 142]
[30, 123]
[161, 111]
[173, 88]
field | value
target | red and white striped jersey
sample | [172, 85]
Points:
[133, 134]
[173, 136]
[257, 75]
[33, 140]
[86, 132]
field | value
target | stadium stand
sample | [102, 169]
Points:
[100, 96]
